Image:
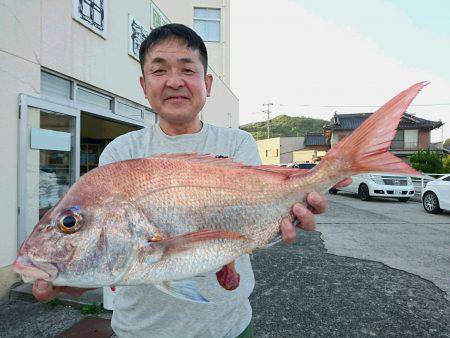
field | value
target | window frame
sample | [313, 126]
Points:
[219, 20]
[111, 113]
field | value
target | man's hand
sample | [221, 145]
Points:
[316, 204]
[45, 291]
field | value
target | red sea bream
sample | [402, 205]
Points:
[166, 218]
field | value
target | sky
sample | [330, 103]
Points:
[316, 57]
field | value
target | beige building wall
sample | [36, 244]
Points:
[307, 155]
[37, 34]
[279, 150]
[269, 150]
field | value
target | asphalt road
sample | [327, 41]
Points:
[379, 268]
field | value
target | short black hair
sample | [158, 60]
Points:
[174, 31]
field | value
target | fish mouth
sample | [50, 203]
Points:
[31, 270]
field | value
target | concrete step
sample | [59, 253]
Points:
[23, 292]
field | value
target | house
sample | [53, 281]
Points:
[279, 150]
[413, 133]
[315, 147]
[69, 77]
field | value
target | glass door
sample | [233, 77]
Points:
[49, 157]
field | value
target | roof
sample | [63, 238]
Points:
[353, 121]
[315, 139]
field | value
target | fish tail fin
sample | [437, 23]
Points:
[367, 148]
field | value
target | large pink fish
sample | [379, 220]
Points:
[166, 218]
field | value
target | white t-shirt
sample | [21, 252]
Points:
[144, 311]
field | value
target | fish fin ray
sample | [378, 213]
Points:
[212, 160]
[186, 241]
[183, 289]
[367, 148]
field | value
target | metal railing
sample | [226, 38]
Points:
[420, 182]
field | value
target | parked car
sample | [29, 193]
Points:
[303, 165]
[436, 195]
[379, 185]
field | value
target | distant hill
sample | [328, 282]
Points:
[285, 126]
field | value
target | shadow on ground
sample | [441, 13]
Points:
[301, 290]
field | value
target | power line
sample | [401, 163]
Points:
[367, 106]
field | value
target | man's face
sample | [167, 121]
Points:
[174, 82]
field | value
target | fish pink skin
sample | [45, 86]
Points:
[171, 217]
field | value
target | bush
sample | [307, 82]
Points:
[427, 161]
[446, 164]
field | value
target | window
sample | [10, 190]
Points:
[92, 14]
[272, 153]
[411, 138]
[207, 23]
[88, 96]
[399, 140]
[54, 86]
[128, 110]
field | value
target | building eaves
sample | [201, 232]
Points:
[353, 121]
[315, 139]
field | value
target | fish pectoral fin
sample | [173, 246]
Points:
[183, 289]
[186, 241]
[274, 241]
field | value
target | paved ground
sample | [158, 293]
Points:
[372, 269]
[340, 280]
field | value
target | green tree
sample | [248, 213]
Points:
[285, 126]
[427, 161]
[446, 164]
[447, 142]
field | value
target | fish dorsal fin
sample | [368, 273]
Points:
[220, 161]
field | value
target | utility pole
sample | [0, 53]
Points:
[267, 111]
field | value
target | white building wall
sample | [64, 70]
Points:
[19, 73]
[219, 52]
[35, 34]
[72, 49]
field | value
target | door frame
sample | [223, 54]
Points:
[26, 101]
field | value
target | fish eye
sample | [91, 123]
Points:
[70, 222]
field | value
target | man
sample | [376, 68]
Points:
[174, 80]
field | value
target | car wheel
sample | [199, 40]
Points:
[403, 199]
[332, 191]
[431, 203]
[363, 192]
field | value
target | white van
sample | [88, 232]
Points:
[379, 185]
